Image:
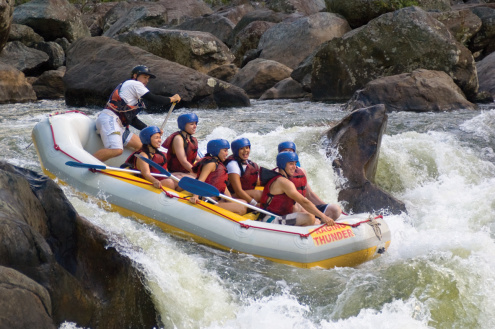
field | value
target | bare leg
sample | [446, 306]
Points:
[333, 211]
[105, 154]
[305, 219]
[135, 143]
[232, 206]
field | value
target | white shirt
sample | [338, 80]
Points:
[233, 168]
[131, 91]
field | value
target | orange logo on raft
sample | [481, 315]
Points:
[328, 234]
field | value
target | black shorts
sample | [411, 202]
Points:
[289, 219]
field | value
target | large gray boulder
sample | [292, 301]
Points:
[93, 73]
[357, 139]
[200, 51]
[483, 43]
[30, 61]
[419, 91]
[291, 42]
[24, 34]
[178, 11]
[52, 19]
[360, 12]
[73, 274]
[486, 74]
[305, 7]
[394, 43]
[14, 87]
[463, 24]
[259, 75]
[6, 11]
[248, 39]
[218, 25]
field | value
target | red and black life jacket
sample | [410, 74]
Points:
[190, 148]
[279, 204]
[249, 176]
[157, 157]
[124, 111]
[218, 178]
[300, 181]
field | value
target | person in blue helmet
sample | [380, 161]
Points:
[243, 173]
[151, 138]
[299, 178]
[182, 146]
[121, 110]
[281, 197]
[210, 169]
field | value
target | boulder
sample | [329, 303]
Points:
[419, 91]
[225, 72]
[463, 24]
[55, 52]
[76, 276]
[394, 43]
[93, 73]
[235, 13]
[28, 60]
[6, 12]
[357, 138]
[24, 303]
[285, 89]
[14, 88]
[52, 19]
[291, 42]
[200, 51]
[360, 12]
[50, 84]
[218, 25]
[483, 43]
[260, 75]
[305, 7]
[179, 11]
[24, 34]
[486, 74]
[248, 39]
[137, 15]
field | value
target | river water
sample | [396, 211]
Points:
[439, 271]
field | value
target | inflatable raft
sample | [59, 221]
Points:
[71, 136]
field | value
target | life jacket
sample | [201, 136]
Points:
[249, 176]
[158, 157]
[279, 204]
[218, 178]
[300, 181]
[190, 148]
[124, 111]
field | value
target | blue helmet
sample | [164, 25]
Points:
[146, 133]
[238, 144]
[215, 145]
[142, 69]
[185, 118]
[286, 145]
[284, 157]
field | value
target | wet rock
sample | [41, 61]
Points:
[419, 91]
[14, 87]
[285, 89]
[357, 138]
[89, 59]
[486, 74]
[50, 84]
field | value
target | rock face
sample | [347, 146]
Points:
[201, 51]
[419, 91]
[483, 43]
[14, 87]
[248, 39]
[290, 42]
[28, 60]
[394, 43]
[6, 11]
[305, 7]
[93, 73]
[60, 263]
[486, 74]
[52, 19]
[357, 138]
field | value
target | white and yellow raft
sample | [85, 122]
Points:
[71, 136]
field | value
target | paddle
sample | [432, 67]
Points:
[165, 172]
[204, 189]
[102, 167]
[166, 118]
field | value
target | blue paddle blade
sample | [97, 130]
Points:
[85, 165]
[198, 187]
[154, 165]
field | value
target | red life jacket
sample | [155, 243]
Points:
[249, 177]
[300, 181]
[190, 148]
[279, 204]
[124, 111]
[218, 178]
[158, 157]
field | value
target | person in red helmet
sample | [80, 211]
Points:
[121, 110]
